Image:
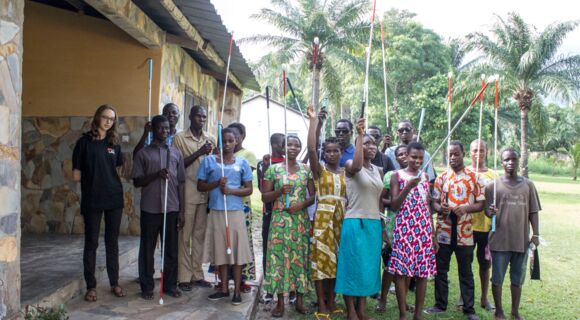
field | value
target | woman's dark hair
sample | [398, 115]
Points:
[112, 135]
[331, 140]
[368, 136]
[399, 147]
[228, 130]
[415, 146]
[292, 137]
[240, 127]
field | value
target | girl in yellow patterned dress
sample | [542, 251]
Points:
[331, 196]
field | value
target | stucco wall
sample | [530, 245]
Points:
[74, 63]
[11, 18]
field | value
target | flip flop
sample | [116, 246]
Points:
[118, 291]
[380, 309]
[91, 295]
[320, 316]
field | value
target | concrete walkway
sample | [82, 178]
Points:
[192, 305]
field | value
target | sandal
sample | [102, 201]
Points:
[185, 286]
[173, 293]
[118, 291]
[147, 295]
[91, 295]
[320, 316]
[381, 308]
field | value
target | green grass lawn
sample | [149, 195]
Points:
[556, 296]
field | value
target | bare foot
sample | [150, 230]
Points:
[381, 307]
[517, 316]
[499, 316]
[278, 312]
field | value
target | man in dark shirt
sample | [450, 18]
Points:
[381, 160]
[153, 165]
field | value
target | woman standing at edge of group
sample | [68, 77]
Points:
[287, 266]
[96, 157]
[359, 255]
[331, 195]
[413, 237]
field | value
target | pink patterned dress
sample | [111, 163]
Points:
[413, 253]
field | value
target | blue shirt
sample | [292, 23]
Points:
[347, 154]
[237, 173]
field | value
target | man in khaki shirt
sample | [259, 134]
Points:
[194, 144]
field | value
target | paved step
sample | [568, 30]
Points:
[52, 267]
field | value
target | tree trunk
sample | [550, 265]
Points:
[316, 88]
[524, 142]
[524, 98]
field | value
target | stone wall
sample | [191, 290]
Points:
[50, 199]
[11, 19]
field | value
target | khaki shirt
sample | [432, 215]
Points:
[187, 143]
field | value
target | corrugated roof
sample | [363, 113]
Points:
[204, 17]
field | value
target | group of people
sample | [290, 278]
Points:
[331, 221]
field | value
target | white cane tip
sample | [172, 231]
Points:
[316, 40]
[482, 76]
[491, 79]
[496, 77]
[161, 301]
[229, 251]
[450, 74]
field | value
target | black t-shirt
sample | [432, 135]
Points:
[101, 187]
[381, 160]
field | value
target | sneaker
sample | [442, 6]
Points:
[292, 297]
[237, 299]
[433, 310]
[267, 298]
[218, 295]
[245, 288]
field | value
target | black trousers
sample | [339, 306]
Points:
[266, 219]
[92, 229]
[151, 229]
[464, 256]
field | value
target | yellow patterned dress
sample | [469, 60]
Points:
[331, 196]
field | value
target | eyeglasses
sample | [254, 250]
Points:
[403, 130]
[110, 119]
[341, 131]
[376, 136]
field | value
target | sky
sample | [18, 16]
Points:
[449, 18]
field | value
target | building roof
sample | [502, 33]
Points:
[273, 102]
[204, 17]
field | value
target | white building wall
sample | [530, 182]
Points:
[254, 116]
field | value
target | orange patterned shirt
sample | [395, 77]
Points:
[461, 189]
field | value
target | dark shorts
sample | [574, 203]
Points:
[480, 240]
[517, 263]
[386, 255]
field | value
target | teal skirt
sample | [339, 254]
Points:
[359, 258]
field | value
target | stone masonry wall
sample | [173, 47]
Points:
[11, 19]
[50, 199]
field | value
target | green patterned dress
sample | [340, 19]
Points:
[287, 265]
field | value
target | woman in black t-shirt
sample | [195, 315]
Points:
[96, 156]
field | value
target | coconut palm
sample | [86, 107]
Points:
[529, 65]
[339, 25]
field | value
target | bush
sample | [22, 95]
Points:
[549, 166]
[42, 313]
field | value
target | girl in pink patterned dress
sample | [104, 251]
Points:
[413, 246]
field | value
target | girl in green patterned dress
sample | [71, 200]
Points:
[288, 264]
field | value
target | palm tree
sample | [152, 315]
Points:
[529, 66]
[339, 25]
